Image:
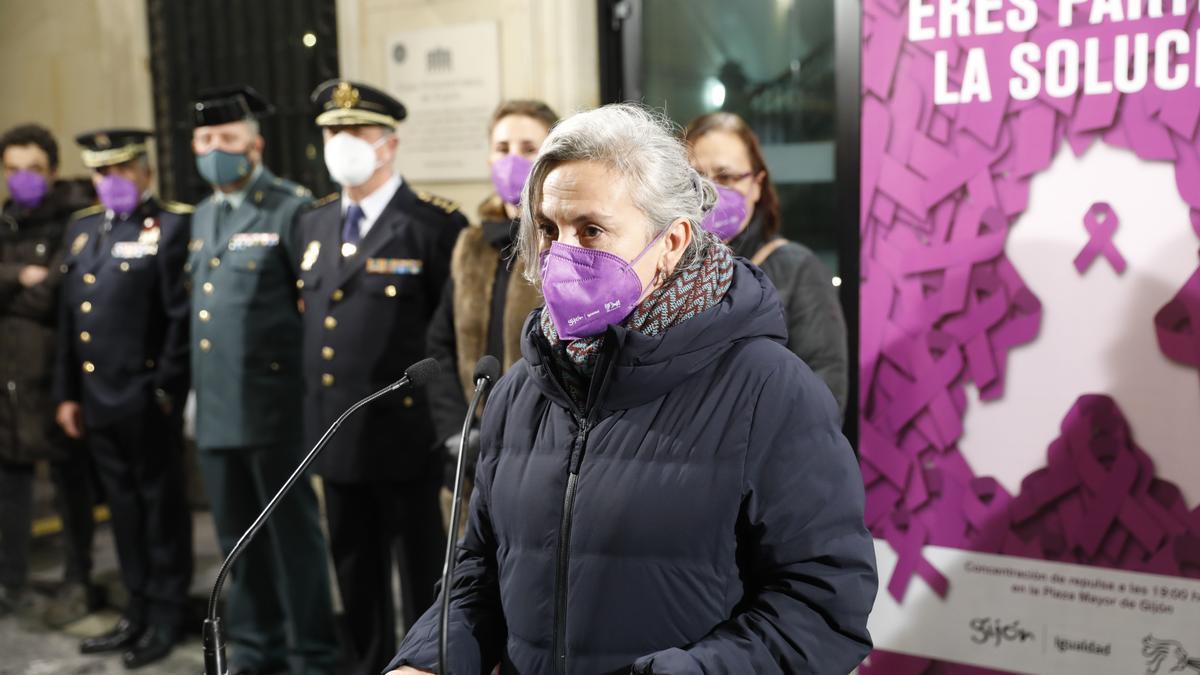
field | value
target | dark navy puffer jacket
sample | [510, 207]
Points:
[703, 514]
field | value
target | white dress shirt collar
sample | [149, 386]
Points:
[373, 204]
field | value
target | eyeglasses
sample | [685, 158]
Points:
[729, 179]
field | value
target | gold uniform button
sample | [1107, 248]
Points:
[124, 267]
[390, 291]
[299, 283]
[275, 366]
[327, 380]
[327, 353]
[204, 315]
[89, 367]
[89, 279]
[85, 307]
[205, 345]
[338, 295]
[214, 263]
[251, 265]
[85, 337]
[149, 363]
[408, 402]
[208, 288]
[330, 322]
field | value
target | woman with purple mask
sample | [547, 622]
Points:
[32, 227]
[726, 151]
[487, 298]
[662, 486]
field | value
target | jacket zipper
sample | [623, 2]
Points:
[564, 547]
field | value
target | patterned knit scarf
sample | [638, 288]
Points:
[687, 293]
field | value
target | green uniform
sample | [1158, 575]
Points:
[246, 371]
[245, 323]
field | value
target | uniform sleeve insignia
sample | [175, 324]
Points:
[441, 202]
[178, 208]
[310, 256]
[79, 243]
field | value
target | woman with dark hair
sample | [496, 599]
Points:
[487, 298]
[725, 150]
[663, 487]
[33, 222]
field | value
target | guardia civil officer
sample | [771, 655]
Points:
[375, 259]
[121, 379]
[246, 369]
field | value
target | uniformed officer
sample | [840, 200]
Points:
[375, 258]
[121, 379]
[247, 379]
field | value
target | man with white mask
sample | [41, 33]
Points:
[374, 259]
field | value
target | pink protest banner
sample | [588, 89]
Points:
[959, 117]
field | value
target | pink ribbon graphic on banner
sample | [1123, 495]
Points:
[1101, 223]
[943, 307]
[1178, 324]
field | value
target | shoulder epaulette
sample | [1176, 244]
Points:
[89, 211]
[332, 196]
[442, 203]
[178, 208]
[286, 186]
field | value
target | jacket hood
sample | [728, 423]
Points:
[637, 368]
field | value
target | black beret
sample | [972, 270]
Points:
[229, 104]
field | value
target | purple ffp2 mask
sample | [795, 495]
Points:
[118, 194]
[27, 188]
[727, 216]
[586, 290]
[509, 174]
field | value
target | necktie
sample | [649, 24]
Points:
[224, 209]
[353, 218]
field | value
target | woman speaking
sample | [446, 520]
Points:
[662, 485]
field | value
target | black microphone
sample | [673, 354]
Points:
[487, 371]
[417, 375]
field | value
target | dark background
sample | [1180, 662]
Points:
[196, 44]
[776, 64]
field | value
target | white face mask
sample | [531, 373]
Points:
[351, 160]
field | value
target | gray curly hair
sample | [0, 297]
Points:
[642, 146]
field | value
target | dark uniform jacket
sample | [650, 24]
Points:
[365, 320]
[27, 318]
[245, 322]
[704, 514]
[123, 332]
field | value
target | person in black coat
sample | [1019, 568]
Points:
[726, 150]
[662, 486]
[32, 225]
[487, 296]
[376, 257]
[121, 380]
